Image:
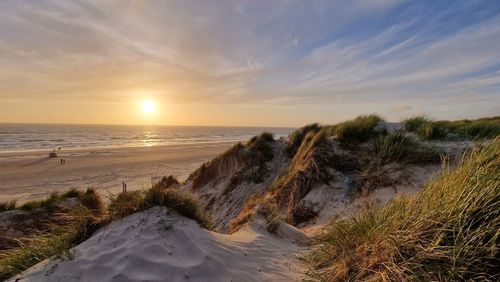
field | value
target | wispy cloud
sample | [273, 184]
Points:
[404, 56]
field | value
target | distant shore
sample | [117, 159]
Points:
[31, 175]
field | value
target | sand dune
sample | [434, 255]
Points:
[156, 245]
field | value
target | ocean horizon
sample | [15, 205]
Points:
[46, 137]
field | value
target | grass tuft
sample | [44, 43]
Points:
[297, 137]
[72, 193]
[166, 182]
[48, 202]
[184, 203]
[448, 232]
[414, 123]
[124, 204]
[307, 168]
[360, 129]
[7, 206]
[92, 200]
[396, 147]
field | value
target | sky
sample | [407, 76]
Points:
[247, 63]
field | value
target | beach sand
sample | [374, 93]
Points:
[33, 175]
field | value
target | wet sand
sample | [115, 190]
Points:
[33, 175]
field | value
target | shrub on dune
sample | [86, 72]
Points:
[447, 232]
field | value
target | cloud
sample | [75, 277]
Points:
[250, 52]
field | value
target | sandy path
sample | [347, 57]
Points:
[26, 176]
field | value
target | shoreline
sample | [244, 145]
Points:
[106, 149]
[33, 175]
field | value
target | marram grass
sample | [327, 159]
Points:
[448, 232]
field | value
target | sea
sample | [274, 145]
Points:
[46, 137]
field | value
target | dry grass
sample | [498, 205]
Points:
[124, 204]
[48, 202]
[241, 163]
[184, 203]
[246, 213]
[448, 232]
[72, 228]
[91, 200]
[297, 137]
[167, 182]
[7, 206]
[89, 197]
[68, 227]
[308, 168]
[257, 204]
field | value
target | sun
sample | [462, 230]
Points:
[148, 106]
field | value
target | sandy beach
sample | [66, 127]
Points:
[32, 175]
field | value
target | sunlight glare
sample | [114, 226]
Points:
[148, 106]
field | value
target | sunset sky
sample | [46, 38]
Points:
[268, 63]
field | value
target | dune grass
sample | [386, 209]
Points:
[485, 128]
[396, 147]
[297, 137]
[73, 227]
[389, 155]
[247, 212]
[167, 182]
[448, 232]
[47, 202]
[184, 203]
[257, 204]
[91, 200]
[307, 168]
[360, 129]
[88, 198]
[250, 159]
[7, 206]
